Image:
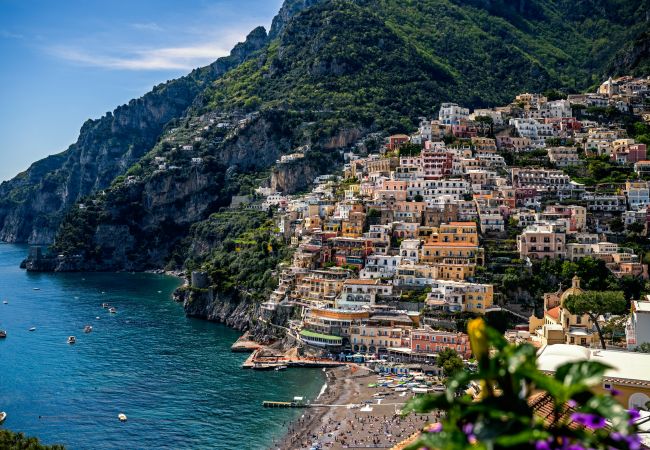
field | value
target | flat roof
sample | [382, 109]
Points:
[312, 334]
[625, 365]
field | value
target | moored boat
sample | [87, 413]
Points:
[3, 334]
[88, 329]
[122, 417]
[281, 368]
[32, 329]
[3, 416]
[105, 305]
[112, 310]
[72, 339]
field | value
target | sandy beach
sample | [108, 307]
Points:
[341, 423]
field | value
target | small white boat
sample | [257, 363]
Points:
[72, 339]
[105, 305]
[3, 334]
[122, 417]
[32, 329]
[3, 416]
[280, 368]
[6, 302]
[112, 310]
[37, 289]
[88, 329]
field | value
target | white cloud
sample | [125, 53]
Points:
[165, 58]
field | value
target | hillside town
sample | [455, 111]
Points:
[396, 253]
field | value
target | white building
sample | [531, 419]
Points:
[637, 329]
[451, 114]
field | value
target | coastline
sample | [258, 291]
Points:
[340, 423]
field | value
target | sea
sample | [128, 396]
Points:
[174, 377]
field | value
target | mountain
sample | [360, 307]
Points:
[33, 203]
[329, 73]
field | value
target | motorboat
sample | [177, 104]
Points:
[3, 416]
[5, 302]
[32, 329]
[122, 417]
[37, 289]
[88, 329]
[112, 310]
[105, 305]
[3, 334]
[72, 339]
[280, 368]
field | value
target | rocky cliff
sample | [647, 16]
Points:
[34, 202]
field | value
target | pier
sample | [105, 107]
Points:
[257, 361]
[245, 345]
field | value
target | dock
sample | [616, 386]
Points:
[258, 361]
[245, 345]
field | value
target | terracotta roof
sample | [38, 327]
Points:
[554, 313]
[543, 407]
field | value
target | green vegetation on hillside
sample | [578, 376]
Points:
[243, 254]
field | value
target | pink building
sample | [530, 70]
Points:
[428, 340]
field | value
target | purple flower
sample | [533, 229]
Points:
[572, 403]
[615, 392]
[633, 441]
[592, 421]
[542, 445]
[576, 447]
[433, 428]
[634, 415]
[468, 429]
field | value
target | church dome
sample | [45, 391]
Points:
[573, 290]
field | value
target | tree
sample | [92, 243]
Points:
[11, 440]
[617, 225]
[418, 198]
[450, 362]
[596, 303]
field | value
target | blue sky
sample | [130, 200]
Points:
[67, 61]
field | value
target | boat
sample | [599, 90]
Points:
[32, 329]
[281, 368]
[72, 339]
[3, 416]
[3, 334]
[122, 417]
[112, 310]
[88, 329]
[105, 305]
[37, 289]
[6, 302]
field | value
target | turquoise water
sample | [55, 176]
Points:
[175, 378]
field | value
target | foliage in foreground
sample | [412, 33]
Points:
[502, 417]
[18, 441]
